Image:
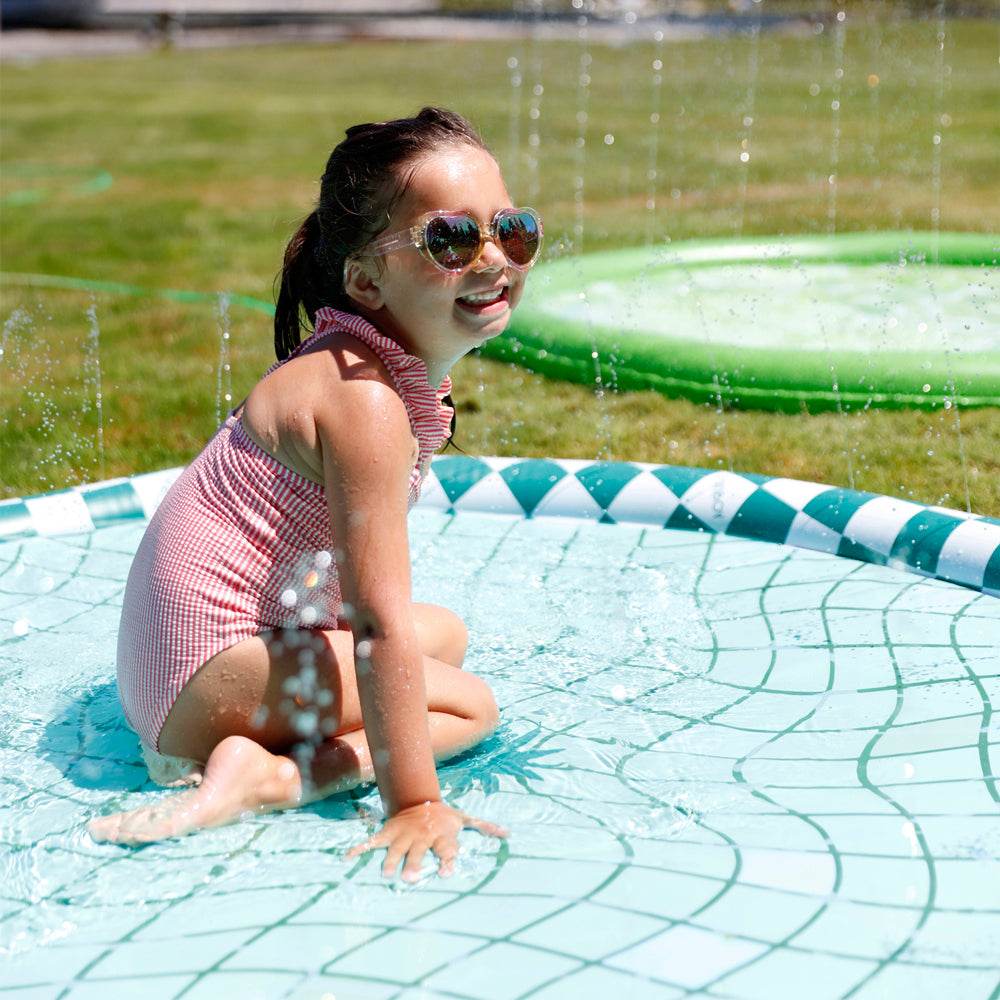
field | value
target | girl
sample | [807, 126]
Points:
[270, 652]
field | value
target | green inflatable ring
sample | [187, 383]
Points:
[840, 322]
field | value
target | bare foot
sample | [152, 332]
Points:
[240, 777]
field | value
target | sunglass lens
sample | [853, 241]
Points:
[452, 241]
[518, 234]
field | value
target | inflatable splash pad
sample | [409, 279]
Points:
[840, 322]
[776, 781]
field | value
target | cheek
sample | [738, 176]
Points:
[516, 291]
[422, 288]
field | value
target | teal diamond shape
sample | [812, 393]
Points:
[679, 479]
[112, 503]
[15, 520]
[605, 480]
[531, 480]
[457, 474]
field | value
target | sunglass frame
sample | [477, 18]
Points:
[416, 236]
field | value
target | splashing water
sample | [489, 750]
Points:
[92, 377]
[224, 400]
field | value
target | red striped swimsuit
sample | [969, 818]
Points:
[241, 544]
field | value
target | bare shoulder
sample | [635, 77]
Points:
[353, 389]
[336, 399]
[365, 444]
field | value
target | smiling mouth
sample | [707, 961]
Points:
[487, 298]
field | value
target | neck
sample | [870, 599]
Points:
[437, 366]
[436, 373]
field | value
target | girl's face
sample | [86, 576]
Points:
[435, 315]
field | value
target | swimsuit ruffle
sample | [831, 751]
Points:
[430, 417]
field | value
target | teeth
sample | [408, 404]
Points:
[483, 297]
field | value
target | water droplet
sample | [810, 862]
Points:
[304, 723]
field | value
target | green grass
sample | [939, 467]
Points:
[212, 158]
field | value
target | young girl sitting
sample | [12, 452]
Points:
[270, 652]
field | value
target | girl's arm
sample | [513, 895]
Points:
[368, 452]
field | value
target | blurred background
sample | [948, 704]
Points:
[157, 155]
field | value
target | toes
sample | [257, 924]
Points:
[104, 829]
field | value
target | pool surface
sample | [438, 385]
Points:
[731, 768]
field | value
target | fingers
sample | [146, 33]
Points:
[398, 848]
[371, 844]
[486, 828]
[412, 854]
[446, 849]
[407, 842]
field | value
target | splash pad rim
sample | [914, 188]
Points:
[631, 358]
[796, 823]
[930, 541]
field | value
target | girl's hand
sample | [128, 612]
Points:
[411, 832]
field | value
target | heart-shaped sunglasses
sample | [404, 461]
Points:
[454, 241]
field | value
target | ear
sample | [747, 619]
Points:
[363, 283]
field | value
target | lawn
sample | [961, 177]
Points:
[187, 170]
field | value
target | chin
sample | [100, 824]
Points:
[480, 331]
[493, 330]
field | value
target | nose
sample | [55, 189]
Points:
[492, 258]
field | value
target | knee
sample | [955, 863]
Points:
[486, 713]
[457, 636]
[447, 638]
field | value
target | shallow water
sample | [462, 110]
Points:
[730, 769]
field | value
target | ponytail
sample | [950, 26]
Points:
[303, 287]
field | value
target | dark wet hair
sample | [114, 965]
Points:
[364, 179]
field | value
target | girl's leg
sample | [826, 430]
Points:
[277, 719]
[441, 633]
